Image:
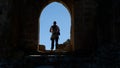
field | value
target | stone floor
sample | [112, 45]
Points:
[59, 61]
[106, 56]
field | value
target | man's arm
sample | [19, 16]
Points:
[58, 28]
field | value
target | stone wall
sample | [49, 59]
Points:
[84, 24]
[5, 28]
[104, 21]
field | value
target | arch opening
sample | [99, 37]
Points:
[55, 11]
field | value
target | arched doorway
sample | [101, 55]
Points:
[54, 11]
[29, 19]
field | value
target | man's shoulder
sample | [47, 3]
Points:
[57, 26]
[52, 26]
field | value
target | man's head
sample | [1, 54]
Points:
[54, 22]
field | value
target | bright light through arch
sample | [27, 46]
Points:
[54, 11]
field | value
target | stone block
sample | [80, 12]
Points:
[41, 48]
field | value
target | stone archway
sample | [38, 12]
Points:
[69, 7]
[58, 18]
[26, 19]
[25, 23]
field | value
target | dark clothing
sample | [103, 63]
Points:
[52, 44]
[55, 35]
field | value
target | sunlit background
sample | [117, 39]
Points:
[54, 11]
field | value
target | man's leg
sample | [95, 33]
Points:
[52, 44]
[56, 42]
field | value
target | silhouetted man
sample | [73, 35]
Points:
[54, 29]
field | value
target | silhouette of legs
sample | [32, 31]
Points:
[52, 44]
[56, 42]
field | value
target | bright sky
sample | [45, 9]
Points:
[55, 11]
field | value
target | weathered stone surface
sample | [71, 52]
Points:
[41, 48]
[66, 46]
